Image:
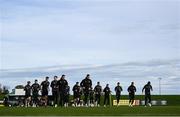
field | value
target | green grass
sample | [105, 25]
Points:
[95, 111]
[172, 109]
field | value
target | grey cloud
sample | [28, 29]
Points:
[130, 69]
[140, 72]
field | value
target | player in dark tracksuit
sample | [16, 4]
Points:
[66, 96]
[107, 92]
[45, 90]
[148, 88]
[77, 94]
[62, 83]
[131, 89]
[27, 90]
[118, 90]
[35, 93]
[97, 90]
[86, 84]
[91, 97]
[55, 90]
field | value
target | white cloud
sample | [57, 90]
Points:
[139, 72]
[98, 37]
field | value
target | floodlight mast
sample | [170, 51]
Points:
[160, 85]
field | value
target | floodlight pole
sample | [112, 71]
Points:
[160, 85]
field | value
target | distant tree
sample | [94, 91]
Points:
[5, 90]
[1, 90]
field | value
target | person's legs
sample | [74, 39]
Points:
[86, 98]
[46, 100]
[108, 100]
[45, 96]
[78, 100]
[56, 98]
[25, 101]
[117, 97]
[29, 101]
[36, 101]
[99, 99]
[96, 99]
[146, 99]
[91, 100]
[132, 99]
[66, 100]
[105, 99]
[150, 99]
[61, 99]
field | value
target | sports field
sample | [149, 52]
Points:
[172, 109]
[95, 111]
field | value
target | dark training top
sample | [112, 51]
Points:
[66, 90]
[147, 89]
[62, 83]
[132, 89]
[77, 90]
[54, 85]
[118, 90]
[98, 89]
[86, 83]
[35, 88]
[27, 90]
[45, 85]
[107, 90]
[91, 94]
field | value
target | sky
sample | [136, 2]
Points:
[113, 40]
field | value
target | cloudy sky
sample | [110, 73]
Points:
[113, 40]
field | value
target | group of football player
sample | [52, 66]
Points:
[91, 96]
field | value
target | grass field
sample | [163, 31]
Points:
[95, 111]
[172, 109]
